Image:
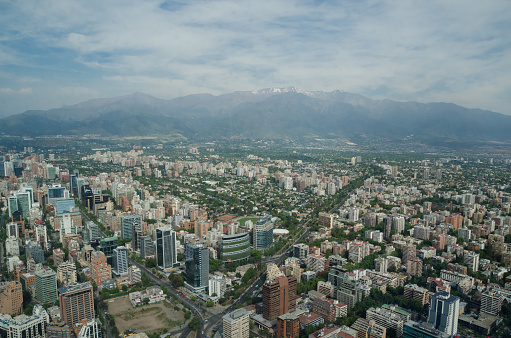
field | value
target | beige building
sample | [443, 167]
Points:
[11, 298]
[236, 324]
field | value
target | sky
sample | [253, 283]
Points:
[62, 52]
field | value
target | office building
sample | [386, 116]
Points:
[279, 297]
[443, 313]
[45, 286]
[166, 250]
[91, 233]
[263, 233]
[76, 303]
[99, 269]
[147, 247]
[235, 248]
[107, 246]
[57, 192]
[236, 324]
[24, 326]
[288, 326]
[197, 266]
[120, 259]
[491, 302]
[64, 206]
[127, 223]
[11, 298]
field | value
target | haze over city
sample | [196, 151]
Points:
[64, 52]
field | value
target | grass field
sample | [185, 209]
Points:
[243, 220]
[149, 318]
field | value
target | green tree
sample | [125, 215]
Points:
[194, 323]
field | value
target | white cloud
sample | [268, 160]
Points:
[456, 51]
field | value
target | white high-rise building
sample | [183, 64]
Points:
[217, 286]
[12, 247]
[354, 214]
[443, 312]
[120, 260]
[471, 259]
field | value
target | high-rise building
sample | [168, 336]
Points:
[398, 224]
[107, 246]
[91, 232]
[387, 319]
[414, 267]
[235, 248]
[471, 259]
[288, 326]
[24, 326]
[134, 275]
[263, 233]
[197, 266]
[326, 220]
[491, 302]
[127, 223]
[236, 324]
[387, 227]
[45, 286]
[147, 248]
[12, 247]
[217, 286]
[279, 297]
[57, 192]
[166, 250]
[300, 250]
[120, 259]
[369, 328]
[76, 303]
[409, 251]
[443, 312]
[11, 298]
[349, 293]
[66, 274]
[91, 329]
[99, 269]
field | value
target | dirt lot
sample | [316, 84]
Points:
[149, 318]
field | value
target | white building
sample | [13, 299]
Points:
[25, 326]
[134, 275]
[471, 259]
[217, 286]
[12, 247]
[91, 330]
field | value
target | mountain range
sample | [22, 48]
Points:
[274, 113]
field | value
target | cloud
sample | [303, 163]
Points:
[21, 91]
[456, 51]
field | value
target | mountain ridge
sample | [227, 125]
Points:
[267, 113]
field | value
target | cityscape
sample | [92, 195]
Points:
[145, 239]
[255, 169]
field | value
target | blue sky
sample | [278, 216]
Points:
[60, 52]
